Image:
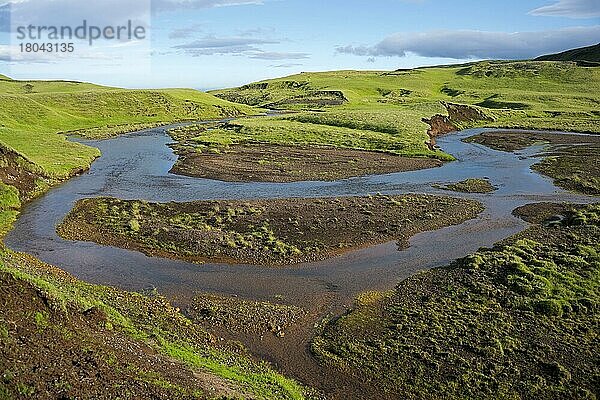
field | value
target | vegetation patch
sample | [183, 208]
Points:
[471, 185]
[519, 320]
[277, 231]
[280, 130]
[284, 94]
[571, 160]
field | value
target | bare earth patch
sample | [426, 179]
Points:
[246, 316]
[278, 163]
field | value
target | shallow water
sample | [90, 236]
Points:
[135, 166]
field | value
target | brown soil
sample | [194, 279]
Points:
[281, 334]
[277, 163]
[18, 172]
[536, 213]
[244, 316]
[263, 232]
[471, 185]
[50, 353]
[442, 124]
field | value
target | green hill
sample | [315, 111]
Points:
[33, 112]
[589, 53]
[536, 95]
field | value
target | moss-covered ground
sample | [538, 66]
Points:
[263, 232]
[519, 320]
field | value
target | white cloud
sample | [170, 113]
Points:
[466, 44]
[212, 45]
[276, 55]
[570, 8]
[287, 65]
[247, 46]
[186, 32]
[172, 5]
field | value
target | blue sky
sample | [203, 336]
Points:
[218, 43]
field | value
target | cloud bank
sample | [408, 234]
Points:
[471, 44]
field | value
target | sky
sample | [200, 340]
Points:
[208, 44]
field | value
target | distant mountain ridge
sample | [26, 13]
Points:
[589, 53]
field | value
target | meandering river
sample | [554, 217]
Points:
[136, 166]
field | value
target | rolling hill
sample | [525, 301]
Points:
[399, 105]
[33, 112]
[589, 54]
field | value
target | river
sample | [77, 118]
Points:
[136, 166]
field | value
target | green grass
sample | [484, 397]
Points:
[33, 113]
[9, 206]
[516, 321]
[266, 384]
[293, 132]
[535, 95]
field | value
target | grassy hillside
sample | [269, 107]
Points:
[589, 53]
[516, 321]
[87, 341]
[33, 112]
[536, 95]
